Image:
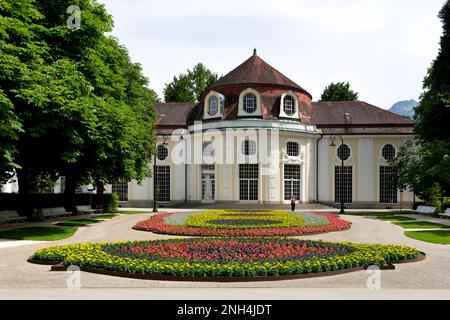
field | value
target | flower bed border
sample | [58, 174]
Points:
[209, 232]
[57, 266]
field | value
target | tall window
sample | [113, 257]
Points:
[213, 106]
[121, 188]
[388, 191]
[343, 182]
[292, 175]
[292, 149]
[161, 182]
[208, 182]
[250, 103]
[289, 105]
[62, 183]
[248, 182]
[162, 153]
[248, 147]
[388, 152]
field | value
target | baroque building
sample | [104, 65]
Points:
[257, 137]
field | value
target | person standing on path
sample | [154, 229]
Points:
[293, 200]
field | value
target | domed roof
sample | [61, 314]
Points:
[256, 71]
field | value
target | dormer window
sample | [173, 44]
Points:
[249, 103]
[289, 106]
[214, 105]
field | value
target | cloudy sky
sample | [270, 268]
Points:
[382, 47]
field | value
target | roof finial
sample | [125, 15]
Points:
[254, 52]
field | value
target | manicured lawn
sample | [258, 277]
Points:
[396, 218]
[38, 233]
[135, 212]
[440, 237]
[106, 216]
[379, 213]
[420, 225]
[77, 223]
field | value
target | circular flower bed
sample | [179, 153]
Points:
[223, 257]
[243, 224]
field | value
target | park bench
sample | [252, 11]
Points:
[54, 212]
[446, 214]
[84, 209]
[11, 216]
[425, 210]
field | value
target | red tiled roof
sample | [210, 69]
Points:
[256, 71]
[173, 115]
[362, 118]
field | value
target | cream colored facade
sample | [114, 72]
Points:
[317, 161]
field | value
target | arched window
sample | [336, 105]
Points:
[162, 153]
[289, 105]
[343, 152]
[250, 103]
[388, 152]
[292, 149]
[213, 105]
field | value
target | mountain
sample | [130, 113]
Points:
[405, 108]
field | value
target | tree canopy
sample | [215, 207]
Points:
[188, 87]
[73, 102]
[433, 114]
[425, 166]
[339, 91]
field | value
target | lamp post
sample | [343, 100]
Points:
[342, 172]
[155, 180]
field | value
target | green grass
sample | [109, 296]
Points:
[421, 225]
[105, 217]
[135, 212]
[396, 218]
[379, 213]
[77, 223]
[440, 237]
[38, 233]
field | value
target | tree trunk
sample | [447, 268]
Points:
[69, 192]
[99, 195]
[24, 206]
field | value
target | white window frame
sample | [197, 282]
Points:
[220, 105]
[241, 111]
[300, 181]
[283, 114]
[298, 149]
[238, 188]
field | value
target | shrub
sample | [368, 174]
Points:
[110, 202]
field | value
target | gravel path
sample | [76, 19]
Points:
[433, 273]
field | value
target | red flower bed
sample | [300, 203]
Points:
[156, 224]
[227, 250]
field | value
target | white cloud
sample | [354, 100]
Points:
[382, 47]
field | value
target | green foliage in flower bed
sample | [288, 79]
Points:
[225, 257]
[222, 219]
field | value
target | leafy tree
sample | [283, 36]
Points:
[188, 87]
[339, 92]
[79, 106]
[433, 113]
[426, 167]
